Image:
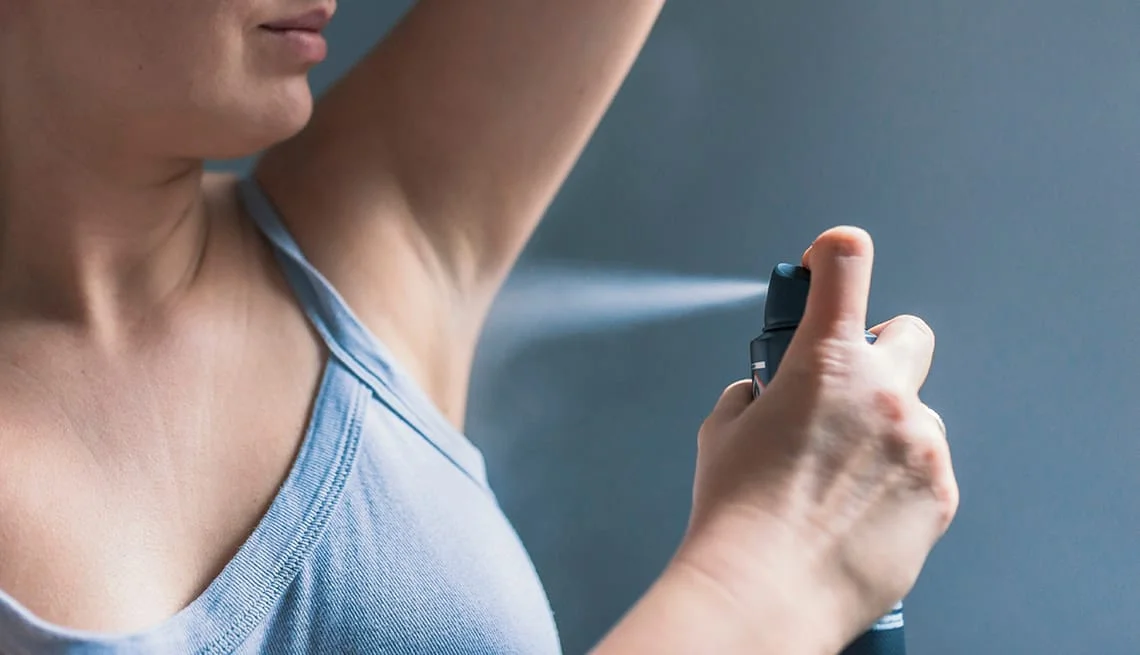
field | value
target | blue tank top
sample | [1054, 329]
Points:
[384, 538]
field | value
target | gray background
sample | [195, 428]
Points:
[992, 148]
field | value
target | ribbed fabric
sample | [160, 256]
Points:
[384, 538]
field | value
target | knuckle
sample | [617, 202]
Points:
[830, 359]
[909, 428]
[897, 438]
[946, 500]
[930, 466]
[927, 460]
[949, 499]
[913, 443]
[891, 406]
[946, 492]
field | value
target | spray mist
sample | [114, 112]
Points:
[783, 311]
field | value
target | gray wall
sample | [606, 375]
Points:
[992, 148]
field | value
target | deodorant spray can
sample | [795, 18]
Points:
[783, 311]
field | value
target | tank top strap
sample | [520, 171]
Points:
[352, 344]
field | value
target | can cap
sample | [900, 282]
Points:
[787, 296]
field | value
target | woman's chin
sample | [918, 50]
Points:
[249, 134]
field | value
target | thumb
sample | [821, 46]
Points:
[840, 261]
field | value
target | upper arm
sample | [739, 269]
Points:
[425, 170]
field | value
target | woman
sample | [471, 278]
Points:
[230, 410]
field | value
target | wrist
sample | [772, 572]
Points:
[763, 576]
[687, 612]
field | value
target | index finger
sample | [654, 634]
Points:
[909, 341]
[840, 261]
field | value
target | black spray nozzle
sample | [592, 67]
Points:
[787, 296]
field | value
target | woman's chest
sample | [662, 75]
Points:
[123, 494]
[382, 538]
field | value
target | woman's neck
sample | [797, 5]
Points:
[95, 238]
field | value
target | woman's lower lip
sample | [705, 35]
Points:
[308, 45]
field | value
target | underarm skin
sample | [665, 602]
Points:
[426, 169]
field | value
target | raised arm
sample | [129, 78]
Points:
[426, 169]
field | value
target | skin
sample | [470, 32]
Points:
[815, 505]
[135, 300]
[156, 375]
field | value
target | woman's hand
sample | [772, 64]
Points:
[831, 488]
